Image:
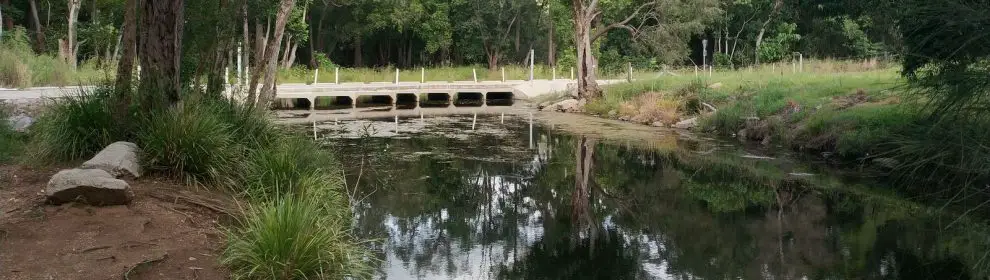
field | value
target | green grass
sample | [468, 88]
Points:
[74, 128]
[20, 67]
[11, 142]
[291, 166]
[190, 141]
[294, 238]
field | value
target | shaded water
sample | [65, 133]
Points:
[443, 201]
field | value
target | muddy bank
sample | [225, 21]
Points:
[167, 232]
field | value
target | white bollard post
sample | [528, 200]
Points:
[532, 61]
[396, 76]
[336, 75]
[711, 68]
[316, 76]
[554, 75]
[801, 61]
[695, 70]
[629, 73]
[503, 74]
[422, 74]
[572, 73]
[474, 72]
[240, 66]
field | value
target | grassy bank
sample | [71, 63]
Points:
[20, 67]
[295, 221]
[858, 117]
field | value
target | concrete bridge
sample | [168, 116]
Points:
[483, 91]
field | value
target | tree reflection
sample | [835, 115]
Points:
[581, 208]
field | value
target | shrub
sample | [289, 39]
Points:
[293, 238]
[191, 141]
[75, 127]
[10, 141]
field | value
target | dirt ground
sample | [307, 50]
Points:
[167, 232]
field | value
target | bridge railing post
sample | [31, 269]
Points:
[396, 76]
[503, 74]
[474, 72]
[422, 74]
[316, 76]
[336, 75]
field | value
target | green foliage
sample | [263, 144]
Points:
[324, 62]
[75, 127]
[191, 141]
[781, 45]
[293, 238]
[291, 166]
[21, 68]
[10, 141]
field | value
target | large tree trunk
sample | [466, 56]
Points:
[161, 48]
[8, 21]
[292, 56]
[128, 39]
[551, 52]
[268, 60]
[39, 35]
[587, 81]
[67, 46]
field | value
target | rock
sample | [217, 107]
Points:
[569, 105]
[117, 159]
[20, 123]
[90, 186]
[611, 114]
[544, 105]
[687, 124]
[624, 118]
[715, 86]
[658, 124]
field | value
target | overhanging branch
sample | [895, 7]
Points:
[623, 23]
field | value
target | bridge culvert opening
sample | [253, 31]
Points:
[499, 99]
[468, 99]
[290, 104]
[333, 102]
[371, 101]
[435, 100]
[406, 100]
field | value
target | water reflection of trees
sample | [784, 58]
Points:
[579, 209]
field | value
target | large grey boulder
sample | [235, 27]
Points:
[118, 159]
[90, 186]
[569, 105]
[687, 124]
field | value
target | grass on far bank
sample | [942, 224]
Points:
[296, 222]
[20, 67]
[300, 74]
[857, 116]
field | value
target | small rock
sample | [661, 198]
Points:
[715, 86]
[544, 105]
[687, 124]
[21, 122]
[91, 186]
[119, 158]
[657, 124]
[611, 114]
[569, 105]
[624, 118]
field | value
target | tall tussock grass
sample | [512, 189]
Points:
[292, 237]
[75, 127]
[191, 141]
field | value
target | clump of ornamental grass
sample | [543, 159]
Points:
[75, 127]
[293, 237]
[293, 165]
[192, 141]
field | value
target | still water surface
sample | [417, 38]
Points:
[507, 201]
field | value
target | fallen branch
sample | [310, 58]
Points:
[149, 261]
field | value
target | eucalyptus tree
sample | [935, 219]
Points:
[657, 23]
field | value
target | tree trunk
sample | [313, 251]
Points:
[587, 86]
[759, 37]
[282, 61]
[68, 48]
[493, 61]
[292, 56]
[358, 61]
[39, 35]
[246, 51]
[128, 39]
[161, 47]
[268, 60]
[8, 21]
[551, 52]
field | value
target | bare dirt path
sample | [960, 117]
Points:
[167, 232]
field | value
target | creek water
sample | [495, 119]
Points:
[596, 200]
